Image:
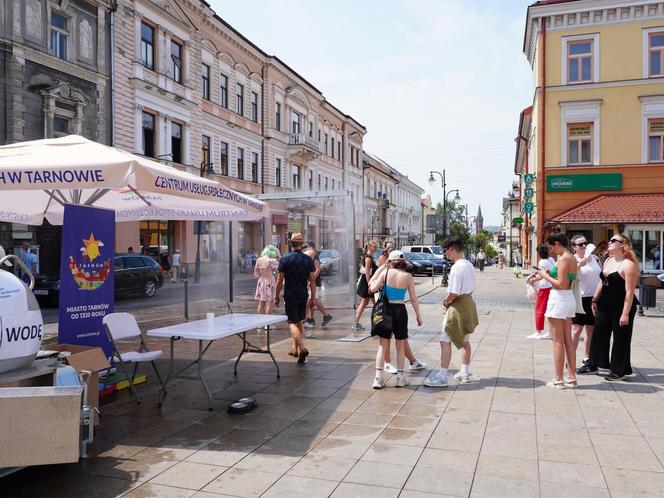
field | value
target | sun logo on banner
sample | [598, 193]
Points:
[90, 274]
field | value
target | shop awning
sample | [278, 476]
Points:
[615, 209]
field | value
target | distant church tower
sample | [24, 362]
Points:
[479, 220]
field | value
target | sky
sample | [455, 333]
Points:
[438, 84]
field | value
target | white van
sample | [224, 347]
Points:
[437, 251]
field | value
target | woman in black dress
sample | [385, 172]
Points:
[367, 268]
[614, 306]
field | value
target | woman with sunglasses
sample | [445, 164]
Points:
[561, 308]
[614, 306]
[588, 271]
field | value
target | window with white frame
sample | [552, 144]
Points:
[206, 152]
[579, 143]
[254, 107]
[176, 142]
[223, 158]
[147, 45]
[580, 59]
[295, 174]
[239, 99]
[176, 60]
[59, 35]
[295, 126]
[656, 54]
[580, 132]
[240, 163]
[223, 90]
[277, 172]
[205, 81]
[148, 126]
[277, 116]
[656, 140]
[254, 167]
[311, 180]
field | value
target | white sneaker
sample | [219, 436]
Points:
[389, 368]
[378, 383]
[463, 378]
[401, 381]
[308, 325]
[535, 335]
[545, 336]
[435, 381]
[308, 334]
[417, 365]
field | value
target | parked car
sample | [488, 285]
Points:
[438, 263]
[437, 251]
[330, 261]
[134, 274]
[418, 263]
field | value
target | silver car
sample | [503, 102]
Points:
[330, 261]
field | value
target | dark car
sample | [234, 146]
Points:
[438, 263]
[330, 261]
[134, 274]
[418, 263]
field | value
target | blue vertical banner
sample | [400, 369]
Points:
[87, 284]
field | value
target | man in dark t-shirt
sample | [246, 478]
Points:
[298, 270]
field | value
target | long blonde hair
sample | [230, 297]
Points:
[628, 250]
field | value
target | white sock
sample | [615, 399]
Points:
[539, 332]
[464, 369]
[379, 373]
[442, 373]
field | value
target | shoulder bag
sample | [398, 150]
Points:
[381, 315]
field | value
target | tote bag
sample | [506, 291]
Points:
[381, 316]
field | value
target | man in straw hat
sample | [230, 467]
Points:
[297, 269]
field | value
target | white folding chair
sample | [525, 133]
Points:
[121, 326]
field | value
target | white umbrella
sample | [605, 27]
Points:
[37, 178]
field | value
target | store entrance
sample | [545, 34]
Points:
[157, 237]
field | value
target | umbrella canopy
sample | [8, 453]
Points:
[37, 178]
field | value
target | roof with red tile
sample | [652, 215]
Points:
[616, 208]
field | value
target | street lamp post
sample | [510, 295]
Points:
[443, 184]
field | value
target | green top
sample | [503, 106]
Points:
[554, 273]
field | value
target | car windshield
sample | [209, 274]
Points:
[426, 255]
[325, 254]
[437, 250]
[413, 255]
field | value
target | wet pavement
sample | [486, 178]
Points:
[321, 430]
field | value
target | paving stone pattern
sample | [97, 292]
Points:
[322, 431]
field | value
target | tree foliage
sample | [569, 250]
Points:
[456, 222]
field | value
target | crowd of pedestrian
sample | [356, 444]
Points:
[583, 288]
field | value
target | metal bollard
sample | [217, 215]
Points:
[185, 280]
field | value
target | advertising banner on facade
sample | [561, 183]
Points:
[568, 183]
[87, 284]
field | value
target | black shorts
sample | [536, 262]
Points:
[586, 318]
[399, 322]
[296, 310]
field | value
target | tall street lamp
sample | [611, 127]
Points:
[443, 184]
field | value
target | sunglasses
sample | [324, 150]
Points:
[581, 244]
[619, 241]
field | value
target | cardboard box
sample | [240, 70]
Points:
[40, 425]
[86, 358]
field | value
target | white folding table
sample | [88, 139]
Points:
[223, 326]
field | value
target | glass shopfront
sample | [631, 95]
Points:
[157, 237]
[647, 243]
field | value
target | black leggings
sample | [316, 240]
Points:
[605, 324]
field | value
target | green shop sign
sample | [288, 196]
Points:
[569, 183]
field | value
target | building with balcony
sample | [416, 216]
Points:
[380, 182]
[591, 147]
[407, 219]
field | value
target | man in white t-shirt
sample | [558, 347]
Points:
[176, 266]
[460, 289]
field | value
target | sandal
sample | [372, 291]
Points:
[571, 383]
[558, 384]
[293, 352]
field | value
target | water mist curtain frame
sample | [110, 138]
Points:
[38, 178]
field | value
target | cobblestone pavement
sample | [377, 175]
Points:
[322, 431]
